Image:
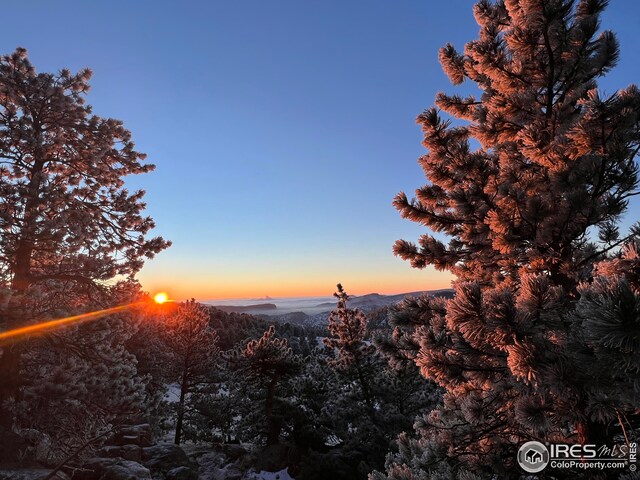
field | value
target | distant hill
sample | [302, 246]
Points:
[246, 308]
[367, 303]
[307, 312]
[372, 301]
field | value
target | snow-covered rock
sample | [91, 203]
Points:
[181, 473]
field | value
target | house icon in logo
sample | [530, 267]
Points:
[533, 457]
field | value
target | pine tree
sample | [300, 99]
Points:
[191, 344]
[79, 381]
[263, 369]
[312, 390]
[373, 401]
[348, 328]
[65, 213]
[68, 224]
[535, 344]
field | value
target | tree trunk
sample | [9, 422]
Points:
[593, 433]
[366, 392]
[23, 258]
[364, 386]
[179, 420]
[9, 382]
[273, 427]
[11, 355]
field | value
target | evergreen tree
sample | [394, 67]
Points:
[348, 327]
[79, 381]
[536, 343]
[213, 410]
[373, 402]
[68, 224]
[153, 363]
[263, 369]
[312, 391]
[191, 344]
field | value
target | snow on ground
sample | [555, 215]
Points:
[172, 393]
[262, 475]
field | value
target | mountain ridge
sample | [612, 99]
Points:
[287, 312]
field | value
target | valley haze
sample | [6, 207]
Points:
[314, 305]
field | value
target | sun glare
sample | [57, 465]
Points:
[161, 298]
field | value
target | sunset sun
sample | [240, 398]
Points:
[161, 298]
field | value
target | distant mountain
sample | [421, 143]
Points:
[246, 308]
[373, 301]
[367, 303]
[294, 310]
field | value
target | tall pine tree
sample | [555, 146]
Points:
[373, 400]
[540, 341]
[69, 226]
[263, 368]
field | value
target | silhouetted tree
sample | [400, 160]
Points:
[191, 345]
[262, 370]
[371, 402]
[77, 382]
[534, 345]
[68, 224]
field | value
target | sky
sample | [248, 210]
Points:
[281, 130]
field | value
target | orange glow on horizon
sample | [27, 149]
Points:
[204, 290]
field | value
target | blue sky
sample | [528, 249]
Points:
[281, 130]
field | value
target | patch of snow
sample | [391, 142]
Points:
[263, 475]
[172, 393]
[332, 440]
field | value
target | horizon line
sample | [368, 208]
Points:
[267, 298]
